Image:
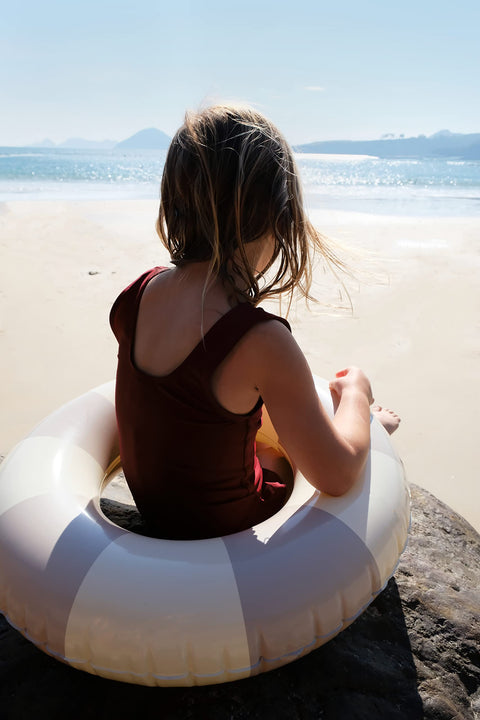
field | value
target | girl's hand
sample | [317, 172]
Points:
[350, 378]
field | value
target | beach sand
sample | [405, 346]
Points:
[414, 327]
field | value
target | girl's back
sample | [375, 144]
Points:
[188, 452]
[197, 357]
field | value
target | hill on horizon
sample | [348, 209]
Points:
[148, 139]
[440, 145]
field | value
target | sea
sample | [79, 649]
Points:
[351, 183]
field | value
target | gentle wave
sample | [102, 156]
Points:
[363, 183]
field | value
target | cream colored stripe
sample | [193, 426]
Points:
[107, 390]
[300, 587]
[377, 509]
[88, 422]
[40, 465]
[161, 613]
[47, 547]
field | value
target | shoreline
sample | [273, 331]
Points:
[414, 326]
[325, 202]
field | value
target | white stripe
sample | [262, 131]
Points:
[376, 509]
[165, 610]
[107, 390]
[40, 465]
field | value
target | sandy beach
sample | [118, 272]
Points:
[414, 327]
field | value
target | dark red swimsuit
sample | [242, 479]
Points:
[190, 463]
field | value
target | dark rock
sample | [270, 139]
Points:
[414, 653]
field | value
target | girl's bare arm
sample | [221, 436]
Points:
[331, 454]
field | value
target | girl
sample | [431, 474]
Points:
[197, 357]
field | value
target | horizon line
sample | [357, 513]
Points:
[47, 142]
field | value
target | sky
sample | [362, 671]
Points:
[342, 69]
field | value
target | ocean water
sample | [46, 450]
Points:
[51, 174]
[428, 187]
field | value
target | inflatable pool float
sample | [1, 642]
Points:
[167, 612]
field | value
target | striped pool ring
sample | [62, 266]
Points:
[167, 612]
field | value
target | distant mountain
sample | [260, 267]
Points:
[148, 139]
[441, 144]
[442, 133]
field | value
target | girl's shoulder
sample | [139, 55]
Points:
[263, 317]
[246, 344]
[271, 335]
[140, 283]
[125, 307]
[257, 334]
[268, 341]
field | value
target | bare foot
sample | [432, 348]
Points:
[387, 418]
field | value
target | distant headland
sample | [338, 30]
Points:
[440, 145]
[443, 144]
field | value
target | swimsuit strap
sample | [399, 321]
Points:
[222, 337]
[217, 343]
[124, 312]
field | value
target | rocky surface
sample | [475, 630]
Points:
[414, 653]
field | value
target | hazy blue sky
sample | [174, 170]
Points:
[338, 69]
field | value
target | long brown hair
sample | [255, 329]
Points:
[229, 179]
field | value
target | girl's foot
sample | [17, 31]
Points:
[387, 418]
